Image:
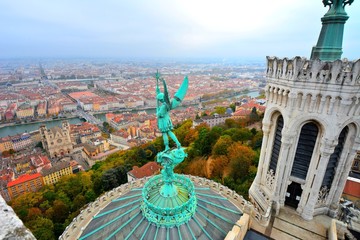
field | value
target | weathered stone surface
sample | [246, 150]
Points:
[11, 226]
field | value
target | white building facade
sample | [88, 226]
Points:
[311, 135]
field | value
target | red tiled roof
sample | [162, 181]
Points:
[352, 187]
[23, 178]
[78, 95]
[147, 170]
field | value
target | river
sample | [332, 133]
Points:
[16, 129]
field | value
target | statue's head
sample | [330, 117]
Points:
[160, 97]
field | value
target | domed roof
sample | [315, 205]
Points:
[123, 218]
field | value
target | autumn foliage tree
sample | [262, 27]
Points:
[226, 153]
[241, 158]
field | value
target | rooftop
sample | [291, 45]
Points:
[122, 218]
[24, 178]
[147, 170]
[55, 168]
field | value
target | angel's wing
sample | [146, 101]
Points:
[180, 94]
[166, 94]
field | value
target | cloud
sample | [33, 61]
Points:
[165, 28]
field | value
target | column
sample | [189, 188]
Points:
[266, 132]
[275, 95]
[331, 107]
[322, 104]
[339, 183]
[292, 97]
[280, 97]
[285, 99]
[353, 107]
[286, 143]
[326, 150]
[303, 102]
[312, 103]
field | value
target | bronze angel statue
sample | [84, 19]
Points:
[163, 107]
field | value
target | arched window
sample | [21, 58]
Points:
[304, 150]
[334, 159]
[277, 144]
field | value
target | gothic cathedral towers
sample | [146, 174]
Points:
[311, 130]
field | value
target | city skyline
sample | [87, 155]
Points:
[162, 29]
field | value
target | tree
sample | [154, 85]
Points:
[241, 134]
[202, 144]
[90, 196]
[222, 145]
[49, 195]
[220, 110]
[61, 211]
[71, 185]
[233, 107]
[78, 202]
[254, 117]
[197, 167]
[33, 213]
[190, 137]
[230, 123]
[240, 158]
[217, 166]
[256, 141]
[42, 228]
[182, 131]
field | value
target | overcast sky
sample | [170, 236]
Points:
[167, 28]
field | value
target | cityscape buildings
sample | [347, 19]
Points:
[305, 169]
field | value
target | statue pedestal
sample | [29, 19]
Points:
[169, 198]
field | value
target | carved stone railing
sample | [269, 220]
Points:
[339, 72]
[76, 227]
[74, 230]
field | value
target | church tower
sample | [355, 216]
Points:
[311, 125]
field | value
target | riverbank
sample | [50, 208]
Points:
[10, 129]
[38, 121]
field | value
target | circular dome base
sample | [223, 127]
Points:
[169, 210]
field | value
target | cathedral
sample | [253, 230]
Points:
[56, 141]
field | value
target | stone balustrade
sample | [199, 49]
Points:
[297, 69]
[79, 223]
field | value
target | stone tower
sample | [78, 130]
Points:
[311, 126]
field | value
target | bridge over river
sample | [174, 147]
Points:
[88, 117]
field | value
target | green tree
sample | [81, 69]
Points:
[222, 145]
[78, 202]
[241, 134]
[220, 110]
[42, 228]
[61, 211]
[90, 195]
[233, 107]
[109, 180]
[202, 144]
[254, 117]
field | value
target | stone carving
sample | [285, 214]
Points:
[270, 179]
[323, 193]
[316, 71]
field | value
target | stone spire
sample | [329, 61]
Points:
[329, 45]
